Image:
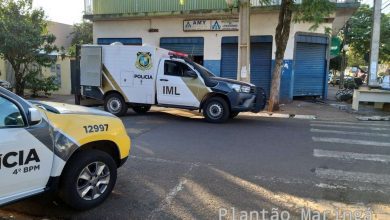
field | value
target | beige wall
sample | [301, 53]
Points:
[2, 70]
[62, 32]
[65, 88]
[261, 24]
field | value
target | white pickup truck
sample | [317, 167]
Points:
[142, 76]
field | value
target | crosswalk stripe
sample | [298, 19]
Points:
[385, 190]
[351, 127]
[341, 175]
[349, 133]
[351, 156]
[350, 141]
[353, 123]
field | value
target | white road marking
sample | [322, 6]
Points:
[350, 127]
[351, 141]
[353, 176]
[384, 190]
[172, 194]
[351, 156]
[350, 133]
[353, 123]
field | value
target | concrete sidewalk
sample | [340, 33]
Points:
[307, 109]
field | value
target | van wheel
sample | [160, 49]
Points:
[233, 114]
[88, 179]
[115, 104]
[142, 109]
[216, 110]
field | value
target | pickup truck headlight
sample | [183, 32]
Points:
[240, 88]
[246, 89]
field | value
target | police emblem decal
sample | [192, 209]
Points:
[144, 61]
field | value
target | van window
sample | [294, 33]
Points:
[175, 68]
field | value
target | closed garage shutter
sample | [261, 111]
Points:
[229, 59]
[310, 68]
[190, 45]
[261, 65]
[261, 60]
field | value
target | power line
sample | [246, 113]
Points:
[386, 6]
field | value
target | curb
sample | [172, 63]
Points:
[374, 118]
[279, 115]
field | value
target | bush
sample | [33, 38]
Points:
[39, 85]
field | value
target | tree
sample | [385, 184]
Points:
[24, 40]
[313, 11]
[82, 34]
[359, 36]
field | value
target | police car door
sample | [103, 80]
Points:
[25, 161]
[171, 85]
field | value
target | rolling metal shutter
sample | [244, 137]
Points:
[229, 58]
[310, 66]
[190, 45]
[124, 41]
[261, 60]
[261, 65]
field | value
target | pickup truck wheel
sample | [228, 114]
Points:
[216, 110]
[88, 179]
[142, 109]
[233, 114]
[115, 104]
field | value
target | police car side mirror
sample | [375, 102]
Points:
[34, 116]
[191, 74]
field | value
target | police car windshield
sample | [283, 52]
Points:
[205, 72]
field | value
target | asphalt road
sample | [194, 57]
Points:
[183, 168]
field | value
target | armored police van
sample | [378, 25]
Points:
[141, 76]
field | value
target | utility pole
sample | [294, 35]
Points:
[244, 42]
[375, 41]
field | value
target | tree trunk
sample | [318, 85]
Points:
[281, 38]
[19, 82]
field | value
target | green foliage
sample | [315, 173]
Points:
[313, 11]
[24, 40]
[39, 85]
[359, 35]
[82, 34]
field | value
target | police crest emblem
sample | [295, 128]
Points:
[144, 61]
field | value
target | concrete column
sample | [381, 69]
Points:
[243, 71]
[375, 41]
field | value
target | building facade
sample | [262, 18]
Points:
[60, 69]
[207, 30]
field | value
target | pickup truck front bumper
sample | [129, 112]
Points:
[248, 102]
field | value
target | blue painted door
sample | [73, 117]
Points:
[261, 63]
[310, 69]
[229, 60]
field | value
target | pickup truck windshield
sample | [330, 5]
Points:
[205, 72]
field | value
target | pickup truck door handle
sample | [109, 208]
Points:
[164, 80]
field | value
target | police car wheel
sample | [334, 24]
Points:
[115, 104]
[216, 110]
[142, 109]
[88, 179]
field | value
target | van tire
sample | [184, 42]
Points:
[142, 109]
[70, 179]
[115, 104]
[216, 110]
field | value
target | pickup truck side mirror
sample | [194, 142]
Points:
[191, 74]
[34, 116]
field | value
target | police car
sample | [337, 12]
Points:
[141, 76]
[72, 149]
